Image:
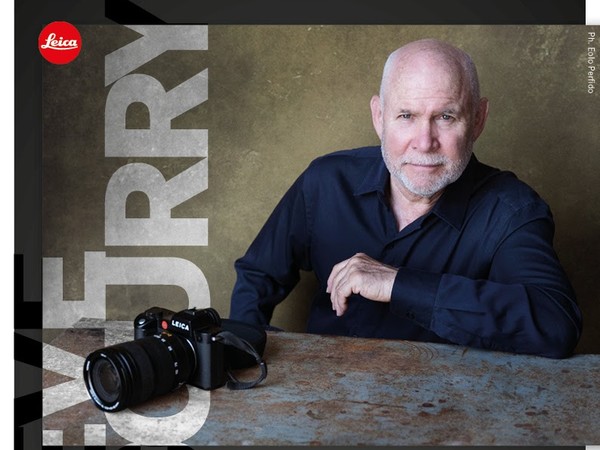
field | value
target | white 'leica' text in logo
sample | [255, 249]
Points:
[59, 44]
[182, 326]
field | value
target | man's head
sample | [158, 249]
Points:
[428, 114]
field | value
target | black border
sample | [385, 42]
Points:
[421, 12]
[31, 16]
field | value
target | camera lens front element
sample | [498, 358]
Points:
[126, 374]
[106, 380]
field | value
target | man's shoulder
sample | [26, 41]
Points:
[358, 154]
[506, 188]
[346, 169]
[359, 158]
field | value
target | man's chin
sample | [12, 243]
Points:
[426, 188]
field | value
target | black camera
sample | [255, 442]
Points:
[193, 346]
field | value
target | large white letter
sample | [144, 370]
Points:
[159, 139]
[169, 430]
[101, 271]
[159, 228]
[156, 40]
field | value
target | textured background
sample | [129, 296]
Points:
[280, 96]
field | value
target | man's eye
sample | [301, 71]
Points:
[446, 117]
[405, 116]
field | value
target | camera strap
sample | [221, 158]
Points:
[229, 338]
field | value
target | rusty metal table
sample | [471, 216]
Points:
[324, 390]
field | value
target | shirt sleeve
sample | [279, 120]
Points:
[270, 269]
[525, 305]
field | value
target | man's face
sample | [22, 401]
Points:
[426, 125]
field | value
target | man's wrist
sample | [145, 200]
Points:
[414, 294]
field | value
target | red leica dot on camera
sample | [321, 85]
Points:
[164, 325]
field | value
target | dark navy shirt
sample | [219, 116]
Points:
[479, 269]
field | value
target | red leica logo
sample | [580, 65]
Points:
[59, 42]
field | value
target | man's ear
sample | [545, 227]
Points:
[377, 115]
[480, 117]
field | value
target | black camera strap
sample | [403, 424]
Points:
[230, 338]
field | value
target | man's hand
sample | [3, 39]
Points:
[362, 275]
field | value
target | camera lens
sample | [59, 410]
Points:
[106, 381]
[126, 374]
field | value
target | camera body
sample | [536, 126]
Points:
[170, 349]
[196, 328]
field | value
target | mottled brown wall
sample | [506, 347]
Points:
[281, 95]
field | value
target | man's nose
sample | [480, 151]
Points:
[425, 139]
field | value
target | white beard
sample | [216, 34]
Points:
[427, 186]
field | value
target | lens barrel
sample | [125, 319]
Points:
[127, 374]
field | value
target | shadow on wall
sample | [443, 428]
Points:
[579, 251]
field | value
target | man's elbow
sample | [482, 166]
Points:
[559, 340]
[556, 326]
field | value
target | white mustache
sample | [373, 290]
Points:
[425, 160]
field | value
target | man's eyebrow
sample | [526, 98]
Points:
[452, 110]
[446, 110]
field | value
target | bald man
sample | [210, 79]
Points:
[416, 239]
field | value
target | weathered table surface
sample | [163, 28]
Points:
[324, 390]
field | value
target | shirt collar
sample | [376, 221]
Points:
[376, 179]
[452, 205]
